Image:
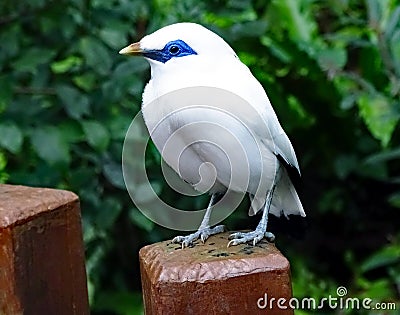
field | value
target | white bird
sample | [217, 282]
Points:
[188, 55]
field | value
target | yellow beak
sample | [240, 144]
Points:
[132, 50]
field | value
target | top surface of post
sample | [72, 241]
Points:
[211, 260]
[17, 203]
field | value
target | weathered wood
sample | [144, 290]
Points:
[41, 252]
[213, 279]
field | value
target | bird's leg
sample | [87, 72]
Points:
[261, 229]
[204, 230]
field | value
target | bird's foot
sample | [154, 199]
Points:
[254, 237]
[202, 234]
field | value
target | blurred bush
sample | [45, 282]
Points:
[332, 72]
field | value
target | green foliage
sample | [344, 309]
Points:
[331, 70]
[378, 115]
[11, 137]
[3, 164]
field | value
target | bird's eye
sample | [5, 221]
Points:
[174, 50]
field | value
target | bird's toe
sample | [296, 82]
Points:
[202, 234]
[270, 236]
[236, 241]
[178, 239]
[258, 237]
[253, 237]
[236, 235]
[203, 237]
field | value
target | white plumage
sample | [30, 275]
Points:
[189, 56]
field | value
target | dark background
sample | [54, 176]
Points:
[331, 70]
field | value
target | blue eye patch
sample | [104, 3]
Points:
[175, 48]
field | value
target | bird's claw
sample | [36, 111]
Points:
[254, 237]
[181, 239]
[202, 234]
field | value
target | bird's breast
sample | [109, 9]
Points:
[205, 142]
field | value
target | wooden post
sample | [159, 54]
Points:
[41, 252]
[213, 279]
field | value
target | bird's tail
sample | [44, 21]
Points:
[284, 201]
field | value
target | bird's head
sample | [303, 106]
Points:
[174, 42]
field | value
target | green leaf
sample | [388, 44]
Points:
[114, 37]
[119, 126]
[349, 35]
[49, 145]
[82, 177]
[96, 55]
[140, 220]
[66, 64]
[3, 163]
[298, 21]
[277, 50]
[91, 289]
[71, 131]
[86, 81]
[6, 92]
[10, 137]
[75, 103]
[378, 171]
[108, 213]
[32, 58]
[249, 29]
[395, 50]
[379, 290]
[345, 164]
[113, 172]
[374, 12]
[332, 59]
[384, 156]
[393, 23]
[379, 116]
[96, 134]
[348, 101]
[386, 256]
[394, 200]
[144, 193]
[10, 37]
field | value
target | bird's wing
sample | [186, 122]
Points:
[267, 125]
[282, 147]
[264, 123]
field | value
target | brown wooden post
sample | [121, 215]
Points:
[41, 252]
[213, 279]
